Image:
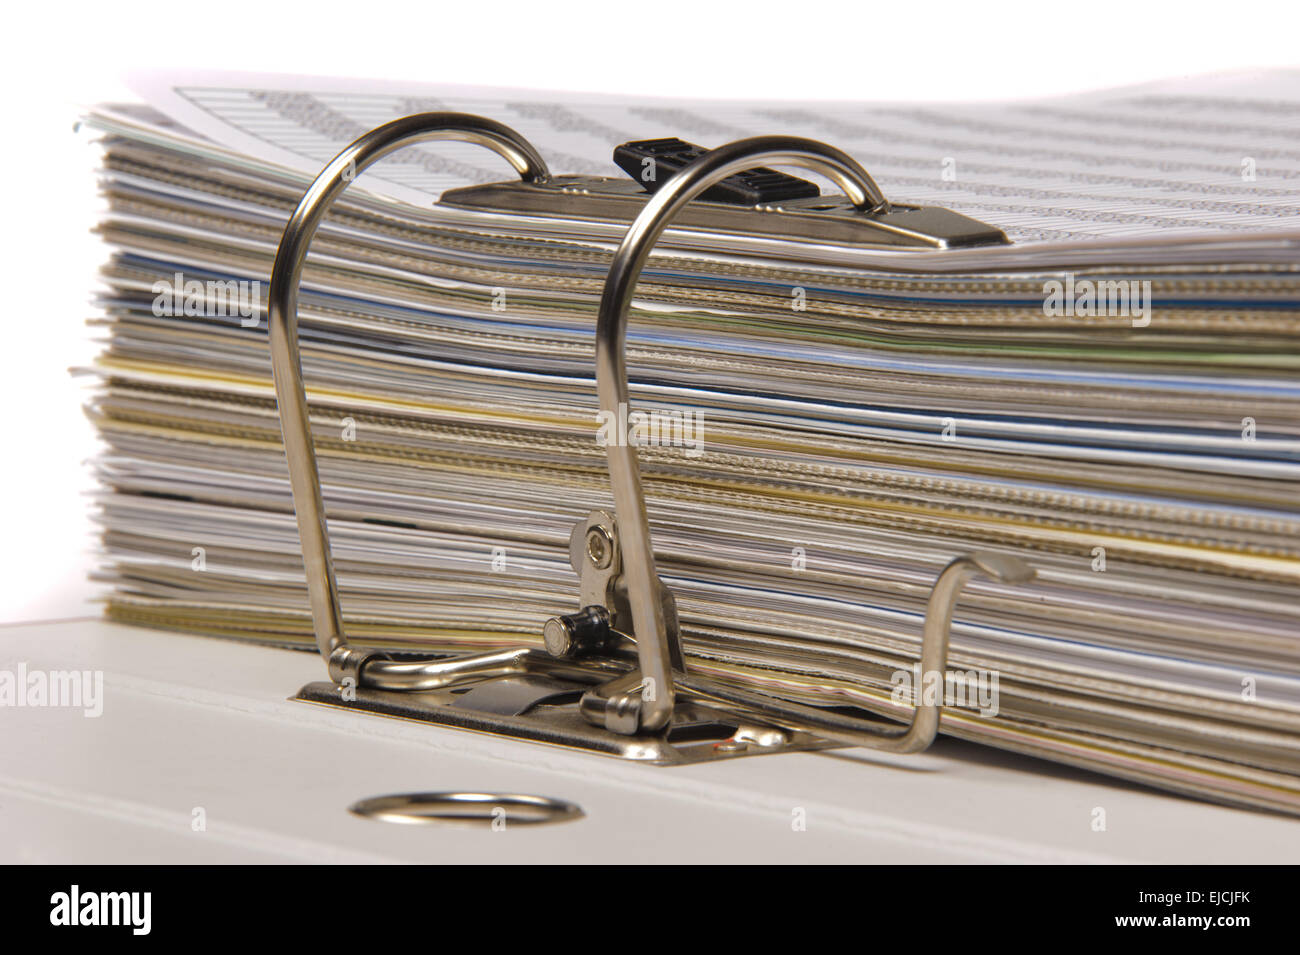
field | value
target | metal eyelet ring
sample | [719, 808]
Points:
[513, 809]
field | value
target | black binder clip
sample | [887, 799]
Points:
[610, 677]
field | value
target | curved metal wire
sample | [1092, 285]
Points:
[920, 731]
[654, 650]
[286, 365]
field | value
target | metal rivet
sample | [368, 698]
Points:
[483, 809]
[600, 547]
[731, 746]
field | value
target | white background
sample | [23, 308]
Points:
[60, 58]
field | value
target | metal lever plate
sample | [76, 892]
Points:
[698, 733]
[826, 220]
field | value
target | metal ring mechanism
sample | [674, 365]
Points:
[624, 641]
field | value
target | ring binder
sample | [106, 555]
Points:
[611, 678]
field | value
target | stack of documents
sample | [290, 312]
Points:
[847, 419]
